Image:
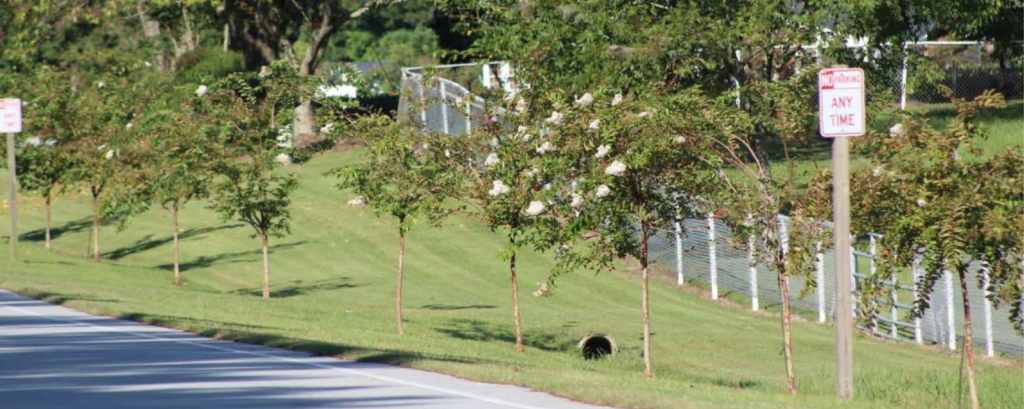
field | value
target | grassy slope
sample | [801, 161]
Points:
[333, 282]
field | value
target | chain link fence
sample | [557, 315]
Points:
[452, 99]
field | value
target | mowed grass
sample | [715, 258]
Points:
[333, 293]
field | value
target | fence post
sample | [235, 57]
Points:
[679, 251]
[444, 107]
[751, 242]
[989, 349]
[712, 262]
[893, 312]
[950, 317]
[915, 272]
[423, 101]
[819, 274]
[469, 114]
[853, 275]
[903, 80]
[873, 250]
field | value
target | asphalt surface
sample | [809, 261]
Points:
[54, 357]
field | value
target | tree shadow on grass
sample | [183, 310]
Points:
[73, 226]
[147, 243]
[476, 330]
[172, 321]
[236, 257]
[63, 298]
[448, 307]
[299, 288]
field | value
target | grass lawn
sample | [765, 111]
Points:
[333, 286]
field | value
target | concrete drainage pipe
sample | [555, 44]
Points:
[595, 346]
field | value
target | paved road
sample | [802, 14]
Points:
[53, 357]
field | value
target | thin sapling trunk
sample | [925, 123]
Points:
[968, 343]
[95, 225]
[398, 293]
[174, 221]
[49, 199]
[644, 272]
[520, 346]
[787, 340]
[266, 269]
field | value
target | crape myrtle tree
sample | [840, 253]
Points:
[628, 169]
[52, 116]
[505, 186]
[755, 193]
[112, 102]
[251, 187]
[183, 165]
[941, 204]
[401, 179]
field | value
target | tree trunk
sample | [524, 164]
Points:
[95, 226]
[303, 129]
[520, 346]
[645, 305]
[787, 340]
[398, 294]
[968, 342]
[151, 29]
[49, 198]
[174, 218]
[266, 270]
[227, 36]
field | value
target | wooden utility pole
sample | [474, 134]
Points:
[13, 200]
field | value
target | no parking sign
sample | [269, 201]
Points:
[10, 115]
[841, 102]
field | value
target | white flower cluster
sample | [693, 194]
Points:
[129, 127]
[101, 84]
[542, 290]
[447, 153]
[555, 118]
[201, 91]
[644, 114]
[535, 208]
[545, 148]
[357, 202]
[617, 99]
[109, 155]
[492, 160]
[499, 189]
[921, 202]
[897, 131]
[877, 171]
[585, 100]
[680, 140]
[615, 168]
[602, 151]
[265, 71]
[327, 128]
[602, 191]
[595, 125]
[34, 141]
[577, 201]
[532, 173]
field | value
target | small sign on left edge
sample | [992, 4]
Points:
[10, 115]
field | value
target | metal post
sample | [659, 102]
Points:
[713, 263]
[873, 251]
[12, 169]
[844, 290]
[989, 349]
[915, 272]
[423, 102]
[469, 115]
[903, 80]
[679, 251]
[751, 243]
[819, 274]
[950, 322]
[444, 107]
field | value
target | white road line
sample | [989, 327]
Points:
[292, 360]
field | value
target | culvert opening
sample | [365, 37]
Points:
[596, 346]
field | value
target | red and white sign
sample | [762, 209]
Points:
[841, 102]
[10, 115]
